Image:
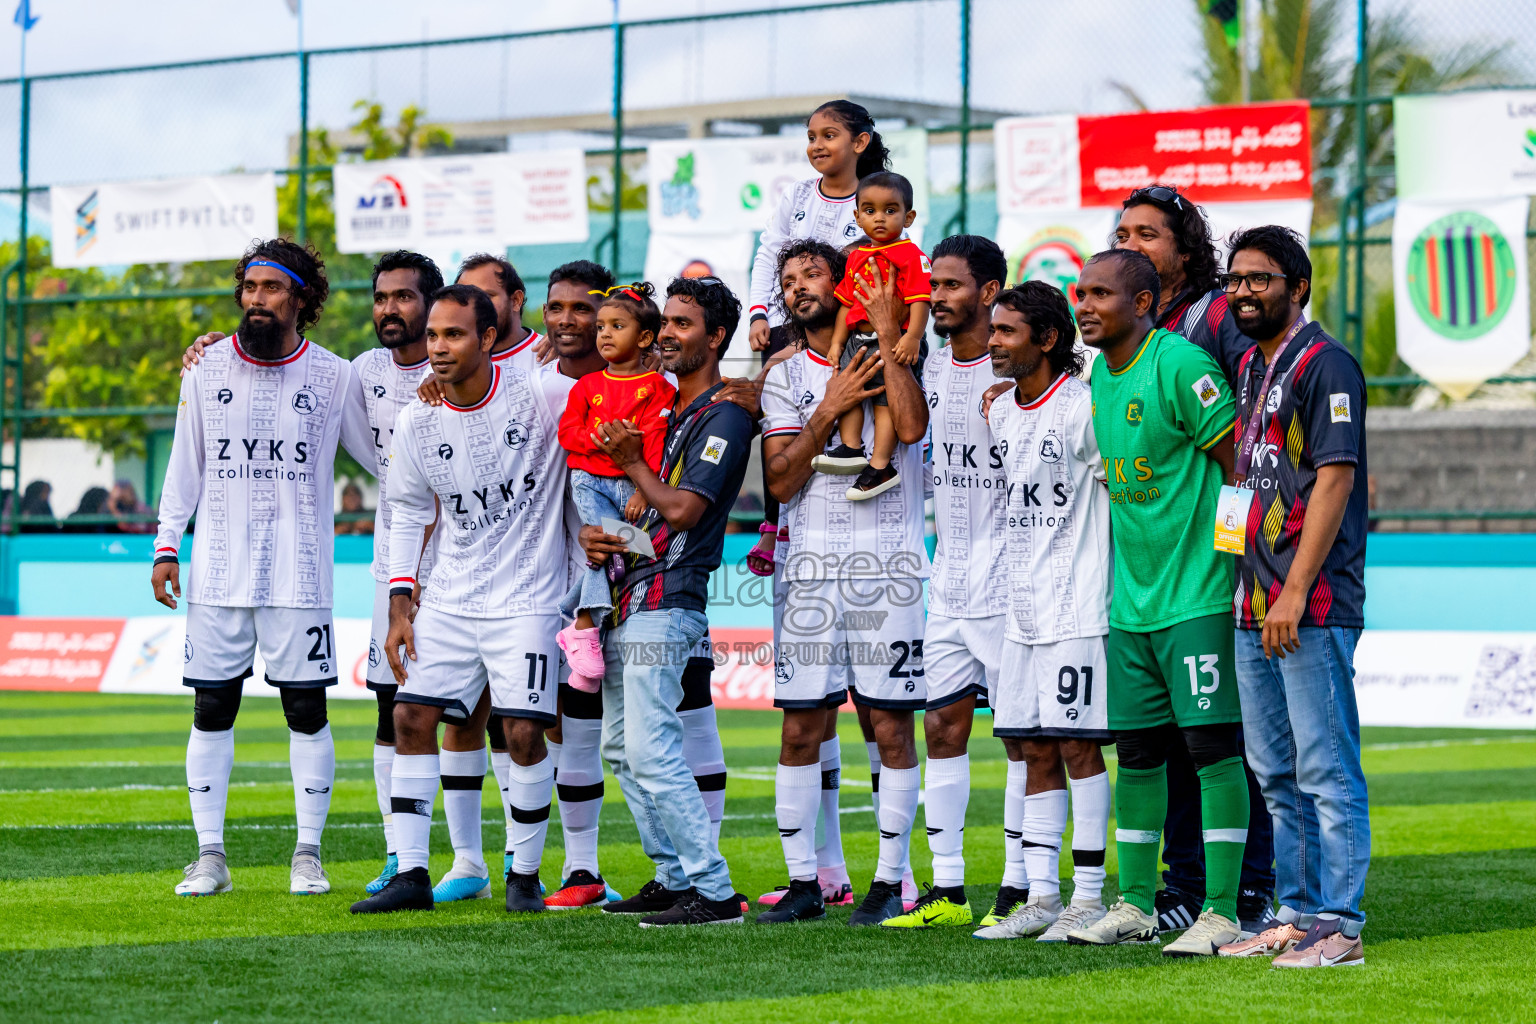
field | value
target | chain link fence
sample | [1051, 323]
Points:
[949, 66]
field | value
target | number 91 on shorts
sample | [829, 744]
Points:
[1052, 691]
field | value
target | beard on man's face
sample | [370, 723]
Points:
[816, 316]
[262, 335]
[1272, 316]
[402, 334]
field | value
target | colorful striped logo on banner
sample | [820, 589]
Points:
[1461, 275]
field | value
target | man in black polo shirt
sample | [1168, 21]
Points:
[1171, 231]
[659, 605]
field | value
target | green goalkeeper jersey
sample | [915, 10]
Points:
[1155, 418]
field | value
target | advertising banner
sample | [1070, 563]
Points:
[1213, 154]
[56, 654]
[1052, 245]
[1037, 164]
[1446, 679]
[1462, 286]
[1466, 145]
[443, 204]
[172, 220]
[727, 255]
[719, 186]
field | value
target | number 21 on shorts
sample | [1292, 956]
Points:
[1207, 666]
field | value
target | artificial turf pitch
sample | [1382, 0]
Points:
[94, 830]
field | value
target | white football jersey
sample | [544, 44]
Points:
[384, 388]
[521, 356]
[970, 574]
[1058, 515]
[803, 212]
[253, 457]
[499, 474]
[831, 537]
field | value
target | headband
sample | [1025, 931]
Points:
[277, 266]
[623, 288]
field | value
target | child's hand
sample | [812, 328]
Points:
[906, 350]
[635, 507]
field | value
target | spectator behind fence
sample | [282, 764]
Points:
[352, 504]
[87, 518]
[34, 502]
[133, 516]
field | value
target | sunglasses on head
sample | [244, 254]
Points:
[1158, 194]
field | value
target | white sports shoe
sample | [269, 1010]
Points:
[1124, 922]
[1205, 937]
[206, 876]
[1078, 915]
[307, 877]
[1028, 918]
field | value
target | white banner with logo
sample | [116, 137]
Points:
[1465, 145]
[1446, 679]
[451, 203]
[171, 220]
[727, 256]
[717, 186]
[1462, 287]
[1037, 164]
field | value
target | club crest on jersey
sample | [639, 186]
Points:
[378, 391]
[1050, 447]
[445, 451]
[1206, 390]
[1272, 403]
[373, 655]
[1133, 410]
[304, 401]
[848, 232]
[783, 671]
[186, 651]
[225, 396]
[516, 435]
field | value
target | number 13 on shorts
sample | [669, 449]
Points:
[1206, 678]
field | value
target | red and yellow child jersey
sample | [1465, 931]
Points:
[904, 256]
[602, 397]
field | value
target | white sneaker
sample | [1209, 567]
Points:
[1078, 915]
[1205, 937]
[1123, 922]
[1028, 918]
[307, 877]
[206, 876]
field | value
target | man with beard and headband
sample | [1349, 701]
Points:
[256, 432]
[1300, 599]
[852, 616]
[1049, 698]
[1170, 230]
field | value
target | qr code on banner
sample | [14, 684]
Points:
[1504, 684]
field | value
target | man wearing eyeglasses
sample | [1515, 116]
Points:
[1300, 598]
[1173, 233]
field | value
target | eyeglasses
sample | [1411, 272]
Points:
[1158, 194]
[1259, 282]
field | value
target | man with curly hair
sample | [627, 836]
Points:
[1170, 230]
[256, 432]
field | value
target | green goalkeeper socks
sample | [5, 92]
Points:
[1224, 815]
[1141, 804]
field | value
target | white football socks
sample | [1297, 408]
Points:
[580, 785]
[948, 788]
[463, 783]
[797, 796]
[210, 756]
[413, 788]
[312, 760]
[528, 795]
[830, 862]
[501, 762]
[383, 763]
[898, 808]
[1045, 821]
[706, 760]
[1090, 830]
[1015, 874]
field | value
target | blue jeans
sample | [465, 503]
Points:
[643, 744]
[1302, 731]
[595, 497]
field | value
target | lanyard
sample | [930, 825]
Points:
[1256, 419]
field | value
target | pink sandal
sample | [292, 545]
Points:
[759, 559]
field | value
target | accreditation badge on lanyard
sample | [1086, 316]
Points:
[1234, 502]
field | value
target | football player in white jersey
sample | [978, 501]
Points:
[525, 347]
[256, 433]
[1049, 701]
[968, 591]
[487, 469]
[853, 615]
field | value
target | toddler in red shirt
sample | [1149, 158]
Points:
[883, 208]
[627, 324]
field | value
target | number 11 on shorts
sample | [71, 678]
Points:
[1207, 666]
